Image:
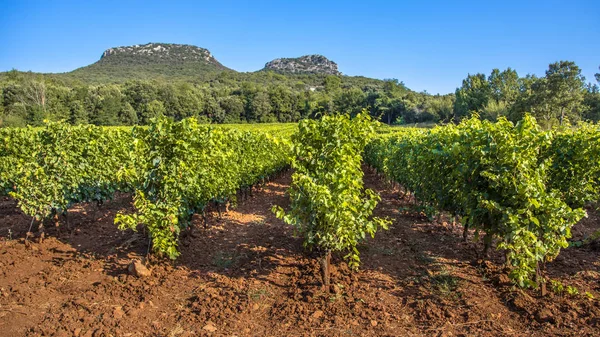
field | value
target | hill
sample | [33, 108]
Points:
[170, 61]
[151, 61]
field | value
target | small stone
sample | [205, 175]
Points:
[118, 313]
[502, 279]
[373, 323]
[61, 333]
[544, 315]
[136, 268]
[77, 332]
[446, 334]
[317, 314]
[209, 327]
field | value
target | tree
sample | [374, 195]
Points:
[565, 89]
[109, 105]
[392, 88]
[388, 104]
[58, 106]
[151, 110]
[1, 102]
[281, 100]
[473, 96]
[525, 100]
[591, 102]
[260, 108]
[494, 110]
[139, 94]
[128, 116]
[504, 85]
[332, 84]
[351, 101]
[79, 113]
[440, 107]
[181, 100]
[233, 106]
[29, 100]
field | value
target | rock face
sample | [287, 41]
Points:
[158, 53]
[308, 64]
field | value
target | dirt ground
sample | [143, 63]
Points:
[247, 275]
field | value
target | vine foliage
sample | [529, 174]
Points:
[497, 177]
[329, 205]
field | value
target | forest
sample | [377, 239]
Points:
[230, 97]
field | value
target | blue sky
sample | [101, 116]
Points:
[430, 45]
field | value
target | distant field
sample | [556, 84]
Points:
[279, 128]
[389, 129]
[290, 127]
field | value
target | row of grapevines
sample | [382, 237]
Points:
[49, 169]
[329, 204]
[16, 146]
[179, 168]
[494, 175]
[575, 169]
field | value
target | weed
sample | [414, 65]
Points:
[557, 287]
[258, 294]
[572, 291]
[224, 260]
[339, 294]
[422, 210]
[446, 284]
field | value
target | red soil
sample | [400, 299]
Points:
[247, 275]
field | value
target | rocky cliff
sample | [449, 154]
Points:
[308, 64]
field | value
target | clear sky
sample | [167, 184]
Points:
[430, 45]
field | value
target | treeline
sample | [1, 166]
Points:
[231, 97]
[29, 99]
[561, 94]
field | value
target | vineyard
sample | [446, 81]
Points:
[332, 227]
[173, 169]
[516, 184]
